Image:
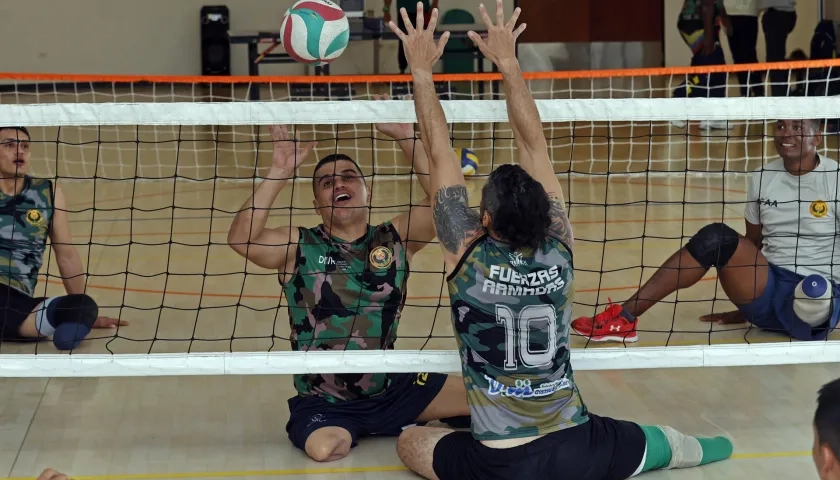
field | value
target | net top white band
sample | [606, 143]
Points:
[401, 111]
[405, 361]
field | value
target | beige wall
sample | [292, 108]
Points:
[677, 53]
[152, 37]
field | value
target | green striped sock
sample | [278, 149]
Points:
[659, 449]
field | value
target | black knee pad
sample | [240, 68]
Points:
[713, 245]
[73, 317]
[77, 308]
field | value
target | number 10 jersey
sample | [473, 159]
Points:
[511, 311]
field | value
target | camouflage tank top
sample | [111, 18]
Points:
[24, 227]
[346, 296]
[511, 314]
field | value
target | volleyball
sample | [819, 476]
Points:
[315, 31]
[469, 160]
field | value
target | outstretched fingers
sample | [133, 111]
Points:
[479, 42]
[519, 31]
[421, 19]
[433, 19]
[500, 13]
[444, 39]
[409, 26]
[513, 18]
[485, 17]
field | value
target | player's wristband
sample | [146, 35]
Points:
[386, 9]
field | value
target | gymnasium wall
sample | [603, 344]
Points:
[154, 37]
[677, 53]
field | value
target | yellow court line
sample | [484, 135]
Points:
[750, 456]
[329, 471]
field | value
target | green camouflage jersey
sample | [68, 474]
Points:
[346, 296]
[692, 9]
[511, 311]
[24, 227]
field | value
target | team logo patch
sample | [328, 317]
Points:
[34, 217]
[818, 208]
[381, 257]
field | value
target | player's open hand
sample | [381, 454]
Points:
[109, 322]
[50, 474]
[500, 43]
[397, 131]
[288, 153]
[418, 41]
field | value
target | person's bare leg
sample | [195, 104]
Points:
[450, 402]
[416, 448]
[743, 278]
[328, 444]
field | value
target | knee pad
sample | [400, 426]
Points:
[713, 245]
[68, 318]
[686, 451]
[812, 300]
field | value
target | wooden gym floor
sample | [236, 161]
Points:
[157, 253]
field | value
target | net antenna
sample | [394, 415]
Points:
[164, 133]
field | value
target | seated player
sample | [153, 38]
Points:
[32, 209]
[511, 288]
[791, 216]
[344, 278]
[826, 450]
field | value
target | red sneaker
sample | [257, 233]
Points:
[607, 326]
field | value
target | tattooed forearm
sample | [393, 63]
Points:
[560, 223]
[454, 221]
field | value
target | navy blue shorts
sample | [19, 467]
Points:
[600, 449]
[403, 400]
[773, 310]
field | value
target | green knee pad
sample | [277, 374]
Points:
[668, 448]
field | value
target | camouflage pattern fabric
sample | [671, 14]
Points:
[24, 227]
[346, 296]
[691, 9]
[511, 313]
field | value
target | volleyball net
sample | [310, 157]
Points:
[154, 169]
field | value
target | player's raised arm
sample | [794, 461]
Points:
[268, 247]
[456, 225]
[531, 145]
[417, 226]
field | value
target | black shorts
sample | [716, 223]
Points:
[600, 449]
[15, 307]
[403, 400]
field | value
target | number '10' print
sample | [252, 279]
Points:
[518, 334]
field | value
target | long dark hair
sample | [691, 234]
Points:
[518, 207]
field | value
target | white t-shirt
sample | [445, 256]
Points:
[741, 7]
[798, 216]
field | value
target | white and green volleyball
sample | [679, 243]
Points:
[315, 31]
